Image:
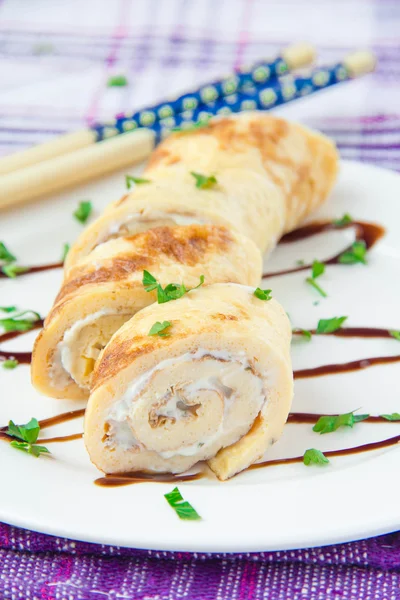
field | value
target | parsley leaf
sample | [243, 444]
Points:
[395, 334]
[10, 364]
[117, 81]
[345, 220]
[391, 417]
[318, 268]
[305, 333]
[13, 270]
[17, 324]
[159, 329]
[315, 285]
[263, 294]
[65, 252]
[172, 291]
[333, 422]
[83, 211]
[5, 254]
[8, 309]
[33, 449]
[330, 325]
[204, 182]
[355, 254]
[183, 509]
[129, 180]
[312, 456]
[28, 434]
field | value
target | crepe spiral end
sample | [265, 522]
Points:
[221, 380]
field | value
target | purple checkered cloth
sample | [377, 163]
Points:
[56, 58]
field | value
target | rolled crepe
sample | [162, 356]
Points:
[270, 174]
[218, 388]
[105, 289]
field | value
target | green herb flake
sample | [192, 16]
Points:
[345, 220]
[25, 437]
[15, 323]
[83, 211]
[312, 456]
[117, 81]
[8, 309]
[305, 333]
[330, 325]
[300, 262]
[395, 334]
[5, 254]
[183, 509]
[172, 291]
[204, 182]
[13, 270]
[317, 287]
[10, 364]
[65, 251]
[159, 329]
[318, 268]
[331, 423]
[130, 180]
[391, 417]
[263, 294]
[356, 254]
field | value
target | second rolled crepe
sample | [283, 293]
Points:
[218, 387]
[269, 175]
[105, 289]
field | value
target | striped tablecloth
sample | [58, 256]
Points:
[56, 58]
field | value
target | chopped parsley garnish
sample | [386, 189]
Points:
[10, 364]
[305, 333]
[159, 329]
[333, 422]
[83, 211]
[318, 268]
[317, 287]
[117, 81]
[395, 334]
[330, 325]
[15, 323]
[356, 254]
[204, 182]
[300, 262]
[130, 179]
[13, 270]
[345, 220]
[263, 294]
[183, 509]
[172, 291]
[65, 251]
[391, 417]
[312, 456]
[5, 254]
[8, 309]
[28, 434]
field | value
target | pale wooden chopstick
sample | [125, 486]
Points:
[85, 163]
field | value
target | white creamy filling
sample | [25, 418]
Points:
[61, 368]
[125, 406]
[154, 216]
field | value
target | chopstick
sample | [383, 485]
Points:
[125, 149]
[292, 57]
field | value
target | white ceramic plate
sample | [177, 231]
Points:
[281, 507]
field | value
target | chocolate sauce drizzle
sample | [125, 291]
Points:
[369, 232]
[36, 269]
